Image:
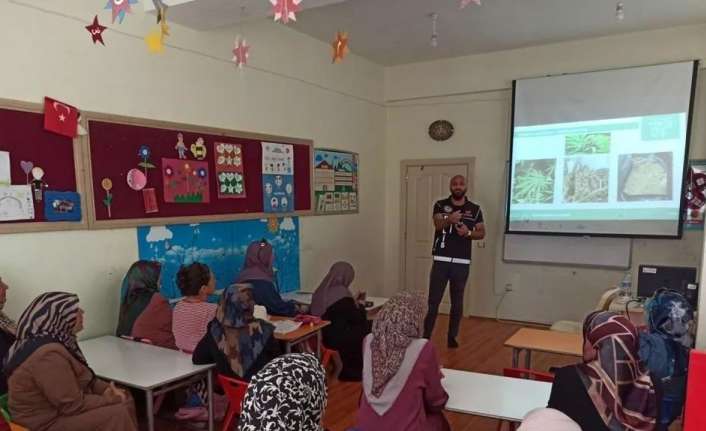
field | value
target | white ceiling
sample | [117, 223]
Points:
[391, 32]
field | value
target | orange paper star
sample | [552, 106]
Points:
[340, 46]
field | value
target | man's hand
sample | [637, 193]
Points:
[455, 217]
[462, 230]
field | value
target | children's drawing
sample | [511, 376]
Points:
[335, 181]
[107, 185]
[136, 179]
[198, 149]
[5, 179]
[230, 171]
[149, 196]
[16, 203]
[278, 177]
[26, 168]
[185, 181]
[62, 206]
[38, 183]
[144, 153]
[181, 146]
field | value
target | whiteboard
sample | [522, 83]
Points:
[568, 250]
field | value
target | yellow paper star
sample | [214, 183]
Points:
[154, 41]
[163, 22]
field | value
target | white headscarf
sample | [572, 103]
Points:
[548, 420]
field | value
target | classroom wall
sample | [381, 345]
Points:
[473, 93]
[292, 89]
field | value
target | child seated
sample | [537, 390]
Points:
[193, 313]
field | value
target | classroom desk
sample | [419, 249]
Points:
[540, 340]
[491, 396]
[151, 369]
[636, 310]
[305, 298]
[305, 332]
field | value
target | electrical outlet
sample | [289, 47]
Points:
[508, 287]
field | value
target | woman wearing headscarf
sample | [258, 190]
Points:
[548, 420]
[288, 394]
[401, 372]
[8, 331]
[52, 387]
[609, 391]
[333, 301]
[139, 285]
[239, 344]
[258, 271]
[664, 349]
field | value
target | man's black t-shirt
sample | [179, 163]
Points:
[447, 242]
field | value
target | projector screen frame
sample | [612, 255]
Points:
[689, 124]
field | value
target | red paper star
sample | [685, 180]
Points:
[465, 3]
[241, 52]
[96, 31]
[285, 10]
[340, 47]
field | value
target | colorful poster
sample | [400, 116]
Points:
[277, 177]
[695, 197]
[185, 181]
[230, 171]
[16, 203]
[221, 246]
[62, 206]
[335, 181]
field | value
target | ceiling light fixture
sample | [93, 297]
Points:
[434, 41]
[620, 11]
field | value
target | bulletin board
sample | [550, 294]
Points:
[116, 145]
[336, 182]
[29, 145]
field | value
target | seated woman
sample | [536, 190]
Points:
[239, 344]
[155, 323]
[8, 329]
[288, 394]
[401, 373]
[548, 420]
[333, 301]
[193, 313]
[609, 391]
[139, 285]
[259, 272]
[664, 350]
[51, 386]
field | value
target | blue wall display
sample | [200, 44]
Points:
[221, 246]
[62, 206]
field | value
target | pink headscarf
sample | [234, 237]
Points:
[259, 261]
[548, 420]
[333, 288]
[399, 323]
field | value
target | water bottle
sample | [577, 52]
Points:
[625, 286]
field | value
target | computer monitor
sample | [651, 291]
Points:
[653, 277]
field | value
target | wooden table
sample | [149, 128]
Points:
[149, 368]
[305, 332]
[491, 396]
[540, 340]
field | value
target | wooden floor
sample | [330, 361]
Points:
[481, 350]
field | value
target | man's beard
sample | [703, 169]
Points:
[458, 194]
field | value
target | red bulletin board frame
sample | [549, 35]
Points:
[23, 135]
[111, 148]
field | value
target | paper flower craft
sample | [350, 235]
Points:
[107, 185]
[120, 8]
[285, 10]
[96, 30]
[144, 154]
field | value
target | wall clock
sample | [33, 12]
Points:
[441, 130]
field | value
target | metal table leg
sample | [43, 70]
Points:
[210, 399]
[150, 409]
[318, 343]
[287, 347]
[515, 357]
[528, 359]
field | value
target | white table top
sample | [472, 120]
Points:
[305, 298]
[137, 365]
[497, 397]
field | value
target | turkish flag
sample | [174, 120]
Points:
[60, 118]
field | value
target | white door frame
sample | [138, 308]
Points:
[470, 162]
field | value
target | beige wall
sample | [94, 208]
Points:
[473, 93]
[292, 89]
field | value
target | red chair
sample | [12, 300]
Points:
[523, 373]
[694, 418]
[328, 355]
[235, 391]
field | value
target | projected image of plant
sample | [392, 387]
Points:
[587, 143]
[534, 181]
[645, 177]
[586, 179]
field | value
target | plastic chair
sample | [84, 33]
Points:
[575, 327]
[694, 419]
[328, 355]
[523, 373]
[235, 391]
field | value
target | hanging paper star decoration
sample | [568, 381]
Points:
[120, 8]
[163, 27]
[340, 46]
[285, 10]
[161, 9]
[96, 31]
[241, 52]
[465, 3]
[155, 41]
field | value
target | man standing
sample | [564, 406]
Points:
[458, 221]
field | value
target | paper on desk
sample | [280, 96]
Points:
[286, 326]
